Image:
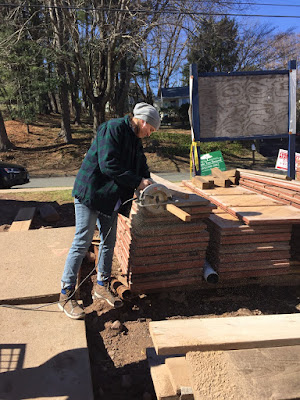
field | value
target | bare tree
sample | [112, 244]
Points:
[5, 143]
[112, 31]
[59, 46]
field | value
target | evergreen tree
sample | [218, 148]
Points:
[214, 48]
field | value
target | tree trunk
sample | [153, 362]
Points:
[59, 44]
[5, 143]
[53, 101]
[65, 130]
[74, 93]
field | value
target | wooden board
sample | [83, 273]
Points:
[206, 334]
[228, 224]
[23, 219]
[245, 200]
[179, 375]
[160, 377]
[256, 374]
[272, 215]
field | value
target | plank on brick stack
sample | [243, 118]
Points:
[159, 250]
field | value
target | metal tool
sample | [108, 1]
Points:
[157, 198]
[154, 197]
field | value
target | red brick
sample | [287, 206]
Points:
[256, 273]
[271, 181]
[291, 199]
[281, 190]
[259, 238]
[183, 256]
[253, 188]
[295, 205]
[159, 284]
[254, 265]
[255, 256]
[166, 275]
[166, 266]
[160, 250]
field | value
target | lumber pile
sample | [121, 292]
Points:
[160, 250]
[250, 234]
[209, 358]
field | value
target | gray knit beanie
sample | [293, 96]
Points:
[147, 113]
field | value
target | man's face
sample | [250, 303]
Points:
[144, 129]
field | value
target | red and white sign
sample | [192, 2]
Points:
[282, 160]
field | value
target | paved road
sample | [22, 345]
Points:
[55, 181]
[68, 181]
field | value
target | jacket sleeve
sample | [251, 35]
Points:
[110, 149]
[142, 166]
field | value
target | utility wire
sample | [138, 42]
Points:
[252, 4]
[167, 11]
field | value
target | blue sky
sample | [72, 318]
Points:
[279, 8]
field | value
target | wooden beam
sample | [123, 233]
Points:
[202, 182]
[183, 215]
[233, 333]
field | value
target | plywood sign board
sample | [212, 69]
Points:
[243, 105]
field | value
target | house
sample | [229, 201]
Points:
[174, 97]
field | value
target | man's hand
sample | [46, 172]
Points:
[144, 183]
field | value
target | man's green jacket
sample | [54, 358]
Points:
[112, 168]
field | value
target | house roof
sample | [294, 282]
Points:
[175, 92]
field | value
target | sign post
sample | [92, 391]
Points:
[195, 120]
[292, 118]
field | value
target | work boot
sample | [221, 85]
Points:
[69, 305]
[105, 292]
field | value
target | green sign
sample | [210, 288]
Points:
[211, 160]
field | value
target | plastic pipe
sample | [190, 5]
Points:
[209, 274]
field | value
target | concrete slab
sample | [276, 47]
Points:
[43, 355]
[32, 263]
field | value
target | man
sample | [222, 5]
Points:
[113, 168]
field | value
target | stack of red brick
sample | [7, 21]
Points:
[278, 189]
[250, 235]
[237, 250]
[160, 250]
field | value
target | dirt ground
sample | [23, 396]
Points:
[118, 339]
[43, 153]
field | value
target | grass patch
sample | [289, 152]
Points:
[180, 144]
[59, 196]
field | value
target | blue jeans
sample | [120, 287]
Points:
[86, 221]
